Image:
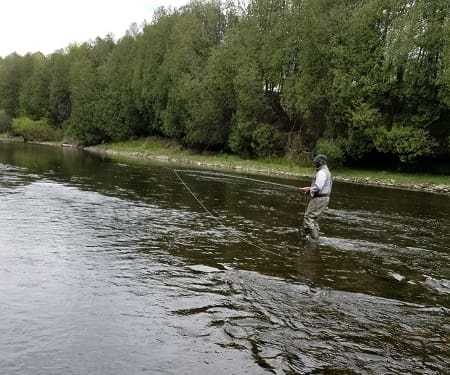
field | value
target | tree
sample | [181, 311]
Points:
[356, 78]
[212, 103]
[34, 93]
[85, 124]
[12, 74]
[120, 118]
[209, 91]
[151, 82]
[60, 106]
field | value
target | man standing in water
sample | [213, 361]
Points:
[319, 191]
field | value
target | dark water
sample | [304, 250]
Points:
[113, 268]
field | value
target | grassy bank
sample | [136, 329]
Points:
[10, 138]
[6, 137]
[162, 149]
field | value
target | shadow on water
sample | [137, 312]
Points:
[94, 250]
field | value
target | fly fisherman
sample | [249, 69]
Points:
[319, 191]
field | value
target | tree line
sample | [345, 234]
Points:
[354, 79]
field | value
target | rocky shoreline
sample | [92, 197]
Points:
[388, 183]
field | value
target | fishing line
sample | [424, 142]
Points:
[216, 219]
[260, 306]
[236, 177]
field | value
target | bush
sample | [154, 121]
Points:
[32, 130]
[296, 151]
[364, 121]
[266, 141]
[406, 142]
[5, 122]
[333, 151]
[241, 137]
[249, 140]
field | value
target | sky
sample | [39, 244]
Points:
[50, 25]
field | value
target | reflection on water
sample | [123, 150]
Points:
[112, 268]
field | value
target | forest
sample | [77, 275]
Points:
[365, 81]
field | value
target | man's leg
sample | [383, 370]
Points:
[316, 207]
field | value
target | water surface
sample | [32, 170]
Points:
[116, 268]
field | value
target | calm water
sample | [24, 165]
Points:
[112, 268]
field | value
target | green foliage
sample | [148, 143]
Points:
[59, 101]
[85, 86]
[5, 122]
[407, 142]
[116, 105]
[12, 73]
[35, 130]
[249, 140]
[443, 78]
[240, 139]
[332, 149]
[266, 141]
[211, 103]
[34, 95]
[364, 120]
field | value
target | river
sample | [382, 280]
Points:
[110, 267]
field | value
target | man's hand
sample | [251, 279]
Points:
[305, 189]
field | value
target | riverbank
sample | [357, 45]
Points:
[154, 148]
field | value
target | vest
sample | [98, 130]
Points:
[326, 189]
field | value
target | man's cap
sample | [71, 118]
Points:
[320, 159]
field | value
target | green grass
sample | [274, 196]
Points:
[157, 147]
[400, 177]
[8, 137]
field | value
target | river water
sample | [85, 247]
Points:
[111, 267]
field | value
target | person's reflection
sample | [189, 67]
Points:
[310, 264]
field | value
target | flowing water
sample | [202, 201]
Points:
[114, 268]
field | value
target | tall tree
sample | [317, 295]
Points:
[60, 107]
[151, 82]
[209, 91]
[14, 71]
[85, 124]
[120, 118]
[34, 93]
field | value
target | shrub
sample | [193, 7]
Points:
[364, 121]
[332, 149]
[249, 140]
[296, 151]
[5, 122]
[241, 137]
[266, 141]
[32, 130]
[406, 142]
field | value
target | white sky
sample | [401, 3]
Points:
[49, 25]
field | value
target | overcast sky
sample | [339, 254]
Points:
[49, 25]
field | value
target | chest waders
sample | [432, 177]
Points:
[316, 206]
